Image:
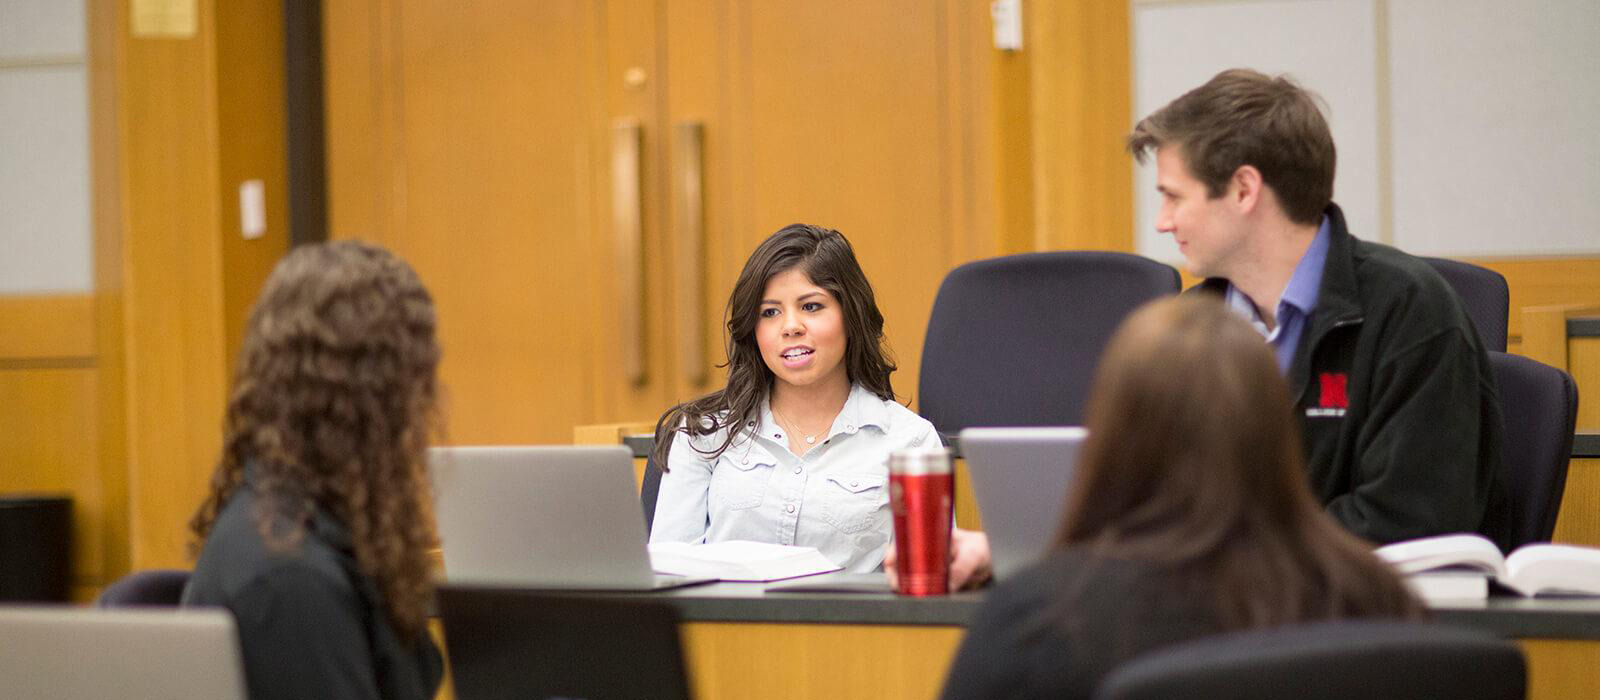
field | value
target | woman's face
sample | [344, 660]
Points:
[801, 332]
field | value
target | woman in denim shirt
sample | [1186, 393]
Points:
[793, 450]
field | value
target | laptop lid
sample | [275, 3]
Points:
[519, 644]
[71, 653]
[1020, 477]
[540, 517]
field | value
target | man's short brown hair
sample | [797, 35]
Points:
[1242, 117]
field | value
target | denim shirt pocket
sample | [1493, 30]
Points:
[739, 481]
[851, 502]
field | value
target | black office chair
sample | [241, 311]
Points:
[1485, 296]
[1539, 407]
[154, 587]
[1328, 661]
[648, 490]
[1014, 340]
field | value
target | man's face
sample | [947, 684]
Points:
[1210, 231]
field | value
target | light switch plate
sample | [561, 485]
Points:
[1007, 16]
[252, 209]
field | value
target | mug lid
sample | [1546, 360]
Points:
[917, 461]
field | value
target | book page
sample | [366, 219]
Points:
[1426, 553]
[1554, 568]
[738, 560]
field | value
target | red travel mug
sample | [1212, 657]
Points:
[921, 492]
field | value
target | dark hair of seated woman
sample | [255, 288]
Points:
[1189, 515]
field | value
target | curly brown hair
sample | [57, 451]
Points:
[332, 407]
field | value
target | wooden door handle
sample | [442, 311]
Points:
[627, 202]
[688, 191]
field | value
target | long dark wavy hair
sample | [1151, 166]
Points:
[332, 407]
[827, 259]
[1193, 464]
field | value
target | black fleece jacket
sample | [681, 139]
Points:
[1400, 415]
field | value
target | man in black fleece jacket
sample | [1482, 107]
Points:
[1400, 417]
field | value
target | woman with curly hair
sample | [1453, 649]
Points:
[794, 449]
[316, 533]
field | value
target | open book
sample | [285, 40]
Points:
[738, 560]
[1530, 570]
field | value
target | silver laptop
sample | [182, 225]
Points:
[542, 518]
[72, 653]
[1020, 477]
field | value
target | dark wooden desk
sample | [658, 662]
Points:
[745, 641]
[1514, 617]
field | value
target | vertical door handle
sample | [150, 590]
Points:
[627, 225]
[688, 191]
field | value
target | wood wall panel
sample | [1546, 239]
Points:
[48, 445]
[251, 115]
[494, 222]
[1544, 282]
[741, 660]
[446, 147]
[178, 123]
[173, 300]
[861, 137]
[359, 80]
[50, 327]
[1082, 108]
[106, 125]
[1583, 362]
[1579, 519]
[1562, 669]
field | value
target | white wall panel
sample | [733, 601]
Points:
[44, 181]
[1496, 126]
[1329, 46]
[34, 28]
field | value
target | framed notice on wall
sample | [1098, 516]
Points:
[163, 19]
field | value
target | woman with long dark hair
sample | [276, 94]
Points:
[1189, 515]
[794, 449]
[316, 532]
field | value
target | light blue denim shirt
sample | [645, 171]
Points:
[835, 497]
[1296, 305]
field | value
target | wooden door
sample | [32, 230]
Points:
[857, 116]
[480, 140]
[462, 135]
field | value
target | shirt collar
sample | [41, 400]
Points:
[1301, 290]
[861, 409]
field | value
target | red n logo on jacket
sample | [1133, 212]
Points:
[1333, 390]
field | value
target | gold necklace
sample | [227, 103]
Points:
[793, 427]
